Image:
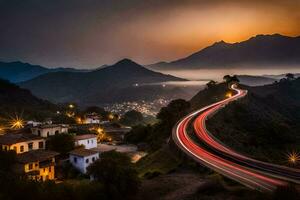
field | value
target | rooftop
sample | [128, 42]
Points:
[83, 152]
[50, 126]
[36, 155]
[85, 136]
[13, 138]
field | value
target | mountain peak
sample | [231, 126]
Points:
[221, 43]
[126, 61]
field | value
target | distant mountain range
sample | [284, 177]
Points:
[261, 51]
[19, 71]
[120, 82]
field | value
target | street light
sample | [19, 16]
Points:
[228, 94]
[17, 123]
[293, 157]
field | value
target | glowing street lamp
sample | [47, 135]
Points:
[17, 123]
[228, 94]
[293, 157]
[71, 106]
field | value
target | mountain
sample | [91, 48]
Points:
[15, 100]
[19, 71]
[122, 81]
[257, 52]
[255, 80]
[280, 76]
[265, 124]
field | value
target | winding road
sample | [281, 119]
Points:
[211, 153]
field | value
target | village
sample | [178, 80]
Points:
[49, 151]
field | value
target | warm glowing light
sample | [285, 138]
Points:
[71, 106]
[228, 94]
[293, 157]
[79, 120]
[99, 130]
[17, 123]
[70, 114]
[110, 116]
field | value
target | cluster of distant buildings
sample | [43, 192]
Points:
[144, 107]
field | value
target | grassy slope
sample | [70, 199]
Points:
[265, 124]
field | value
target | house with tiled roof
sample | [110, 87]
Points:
[37, 165]
[21, 142]
[81, 158]
[32, 158]
[47, 130]
[89, 141]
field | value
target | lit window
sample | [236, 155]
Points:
[41, 145]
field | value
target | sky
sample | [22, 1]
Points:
[90, 33]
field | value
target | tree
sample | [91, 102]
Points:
[230, 79]
[290, 76]
[117, 174]
[132, 118]
[100, 111]
[138, 134]
[173, 112]
[62, 143]
[227, 78]
[211, 83]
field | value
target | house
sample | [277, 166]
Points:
[32, 158]
[37, 164]
[82, 158]
[116, 134]
[92, 118]
[89, 141]
[21, 142]
[47, 130]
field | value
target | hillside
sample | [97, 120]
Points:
[261, 51]
[123, 81]
[265, 124]
[18, 71]
[14, 100]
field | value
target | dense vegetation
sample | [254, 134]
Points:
[265, 124]
[13, 100]
[117, 174]
[154, 136]
[132, 118]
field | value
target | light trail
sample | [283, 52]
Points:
[252, 173]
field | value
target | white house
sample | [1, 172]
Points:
[21, 142]
[92, 119]
[89, 141]
[47, 130]
[82, 158]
